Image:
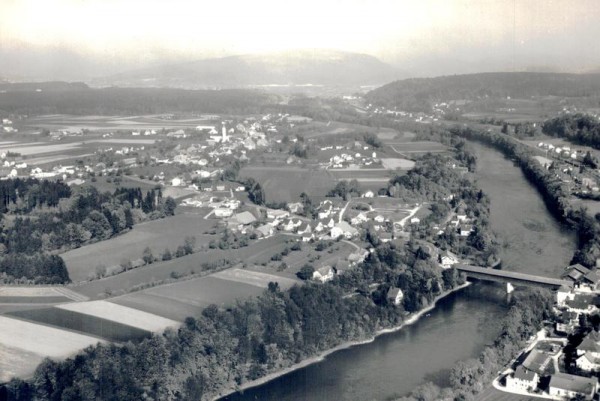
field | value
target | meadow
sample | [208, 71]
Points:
[169, 232]
[285, 184]
[256, 252]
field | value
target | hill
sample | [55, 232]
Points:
[422, 93]
[303, 67]
[79, 99]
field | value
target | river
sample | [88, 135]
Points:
[462, 323]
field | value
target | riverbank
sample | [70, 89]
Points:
[413, 318]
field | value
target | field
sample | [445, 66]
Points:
[85, 324]
[120, 314]
[285, 184]
[159, 234]
[378, 175]
[255, 253]
[396, 163]
[408, 148]
[24, 344]
[107, 123]
[592, 206]
[222, 288]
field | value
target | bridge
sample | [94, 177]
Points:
[511, 278]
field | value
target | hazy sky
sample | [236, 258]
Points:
[558, 33]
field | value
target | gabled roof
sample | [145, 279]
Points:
[536, 361]
[324, 270]
[524, 374]
[394, 292]
[578, 384]
[590, 343]
[244, 218]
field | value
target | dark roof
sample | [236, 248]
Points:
[524, 374]
[536, 361]
[393, 292]
[591, 342]
[578, 384]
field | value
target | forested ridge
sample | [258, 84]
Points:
[419, 94]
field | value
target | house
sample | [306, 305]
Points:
[359, 219]
[395, 295]
[448, 259]
[567, 322]
[583, 278]
[563, 294]
[291, 224]
[177, 182]
[304, 228]
[465, 230]
[223, 212]
[537, 361]
[307, 237]
[589, 353]
[323, 274]
[295, 207]
[266, 230]
[343, 229]
[379, 218]
[582, 303]
[522, 380]
[244, 218]
[415, 220]
[570, 386]
[368, 194]
[277, 214]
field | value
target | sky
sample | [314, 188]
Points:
[472, 35]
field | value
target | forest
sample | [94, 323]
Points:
[45, 217]
[582, 129]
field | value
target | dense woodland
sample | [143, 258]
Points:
[42, 217]
[582, 129]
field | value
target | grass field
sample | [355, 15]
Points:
[107, 123]
[16, 362]
[41, 339]
[254, 253]
[417, 147]
[85, 324]
[187, 298]
[285, 184]
[120, 314]
[380, 175]
[158, 235]
[396, 163]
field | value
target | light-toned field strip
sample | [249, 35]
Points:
[40, 339]
[29, 292]
[394, 163]
[254, 278]
[121, 314]
[118, 140]
[15, 362]
[10, 291]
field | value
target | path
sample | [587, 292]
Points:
[411, 214]
[343, 211]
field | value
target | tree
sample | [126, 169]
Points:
[147, 256]
[167, 254]
[189, 244]
[169, 206]
[306, 272]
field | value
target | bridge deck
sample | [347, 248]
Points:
[508, 276]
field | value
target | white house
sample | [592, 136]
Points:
[522, 380]
[176, 182]
[223, 212]
[395, 295]
[589, 352]
[359, 219]
[323, 274]
[448, 259]
[368, 194]
[563, 294]
[344, 229]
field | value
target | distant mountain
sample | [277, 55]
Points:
[289, 68]
[54, 86]
[421, 93]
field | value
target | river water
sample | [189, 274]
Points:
[462, 323]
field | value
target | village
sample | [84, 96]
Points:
[562, 360]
